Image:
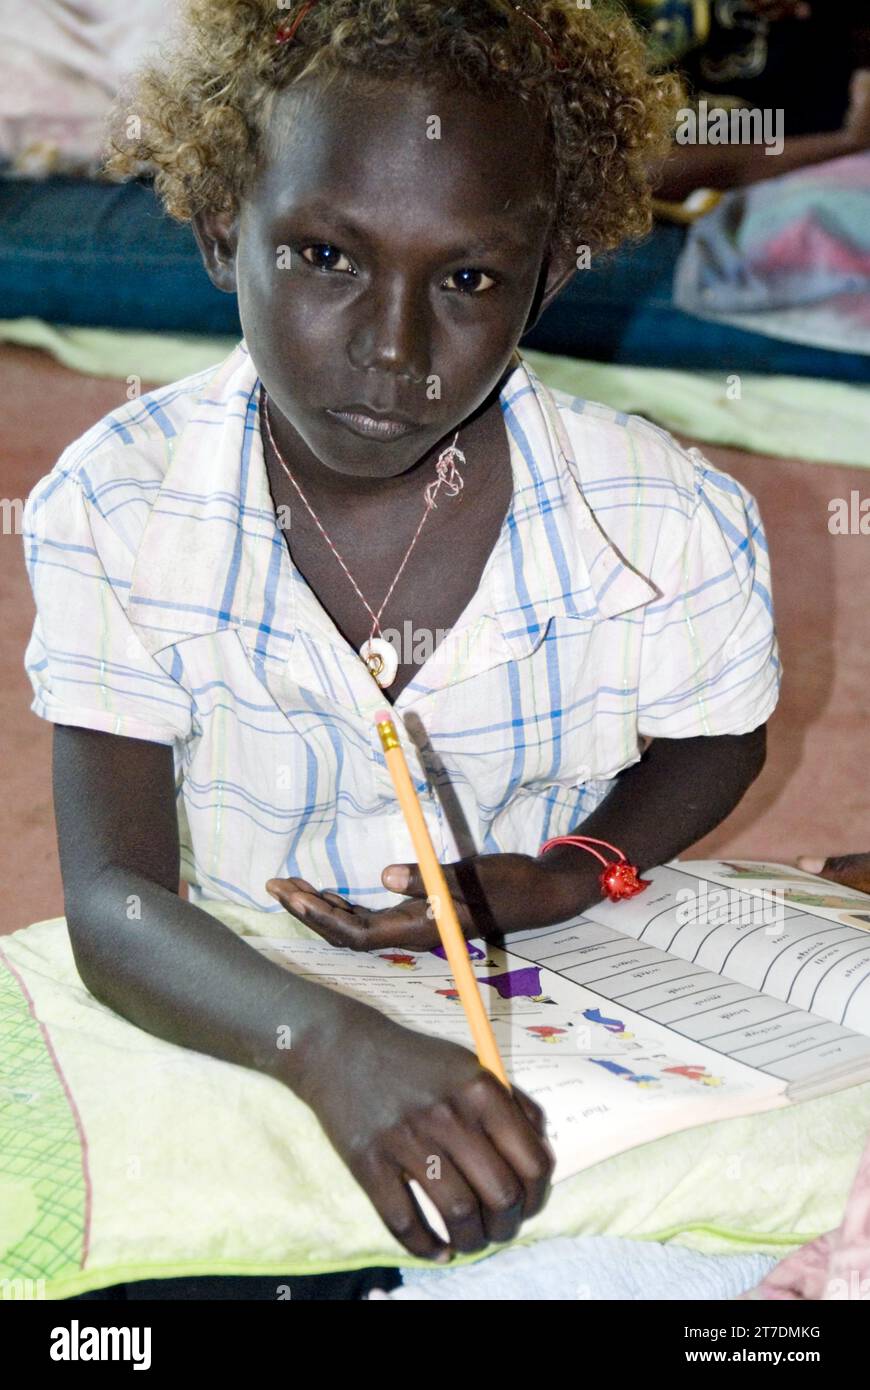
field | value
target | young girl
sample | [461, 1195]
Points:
[580, 611]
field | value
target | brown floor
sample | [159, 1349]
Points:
[812, 796]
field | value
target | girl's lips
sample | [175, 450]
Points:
[369, 427]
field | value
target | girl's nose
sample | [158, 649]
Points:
[391, 332]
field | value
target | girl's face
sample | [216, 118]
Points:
[386, 260]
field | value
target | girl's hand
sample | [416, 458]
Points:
[493, 894]
[856, 125]
[396, 1104]
[851, 870]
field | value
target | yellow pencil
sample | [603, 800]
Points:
[449, 930]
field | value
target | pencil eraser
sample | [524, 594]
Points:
[383, 717]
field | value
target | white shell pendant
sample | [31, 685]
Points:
[382, 660]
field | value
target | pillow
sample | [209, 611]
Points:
[123, 1157]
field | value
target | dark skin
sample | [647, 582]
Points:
[444, 268]
[689, 167]
[732, 166]
[852, 870]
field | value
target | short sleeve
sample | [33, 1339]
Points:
[84, 659]
[710, 663]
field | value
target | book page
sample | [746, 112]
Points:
[775, 929]
[607, 1079]
[723, 1015]
[797, 890]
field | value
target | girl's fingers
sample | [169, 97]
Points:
[425, 1159]
[326, 894]
[849, 870]
[358, 930]
[407, 879]
[338, 901]
[480, 1196]
[412, 924]
[520, 1144]
[389, 1194]
[395, 875]
[532, 1111]
[405, 926]
[316, 912]
[291, 885]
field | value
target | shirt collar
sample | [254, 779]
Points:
[212, 556]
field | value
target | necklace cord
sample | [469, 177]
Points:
[448, 476]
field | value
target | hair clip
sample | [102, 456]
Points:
[558, 61]
[285, 32]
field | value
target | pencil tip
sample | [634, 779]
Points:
[383, 717]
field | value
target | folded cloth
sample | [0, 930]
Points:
[588, 1267]
[788, 257]
[837, 1265]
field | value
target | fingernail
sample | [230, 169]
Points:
[811, 865]
[397, 878]
[443, 1257]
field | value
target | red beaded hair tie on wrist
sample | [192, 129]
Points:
[618, 880]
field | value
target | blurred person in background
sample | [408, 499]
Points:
[809, 60]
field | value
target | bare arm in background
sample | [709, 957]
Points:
[732, 166]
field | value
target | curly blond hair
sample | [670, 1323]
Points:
[196, 117]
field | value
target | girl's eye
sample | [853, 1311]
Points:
[466, 279]
[329, 255]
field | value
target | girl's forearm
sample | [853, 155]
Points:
[681, 789]
[178, 973]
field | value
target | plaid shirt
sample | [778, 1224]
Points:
[628, 595]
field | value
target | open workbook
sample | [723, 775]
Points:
[724, 989]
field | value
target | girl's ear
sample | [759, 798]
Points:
[217, 236]
[556, 272]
